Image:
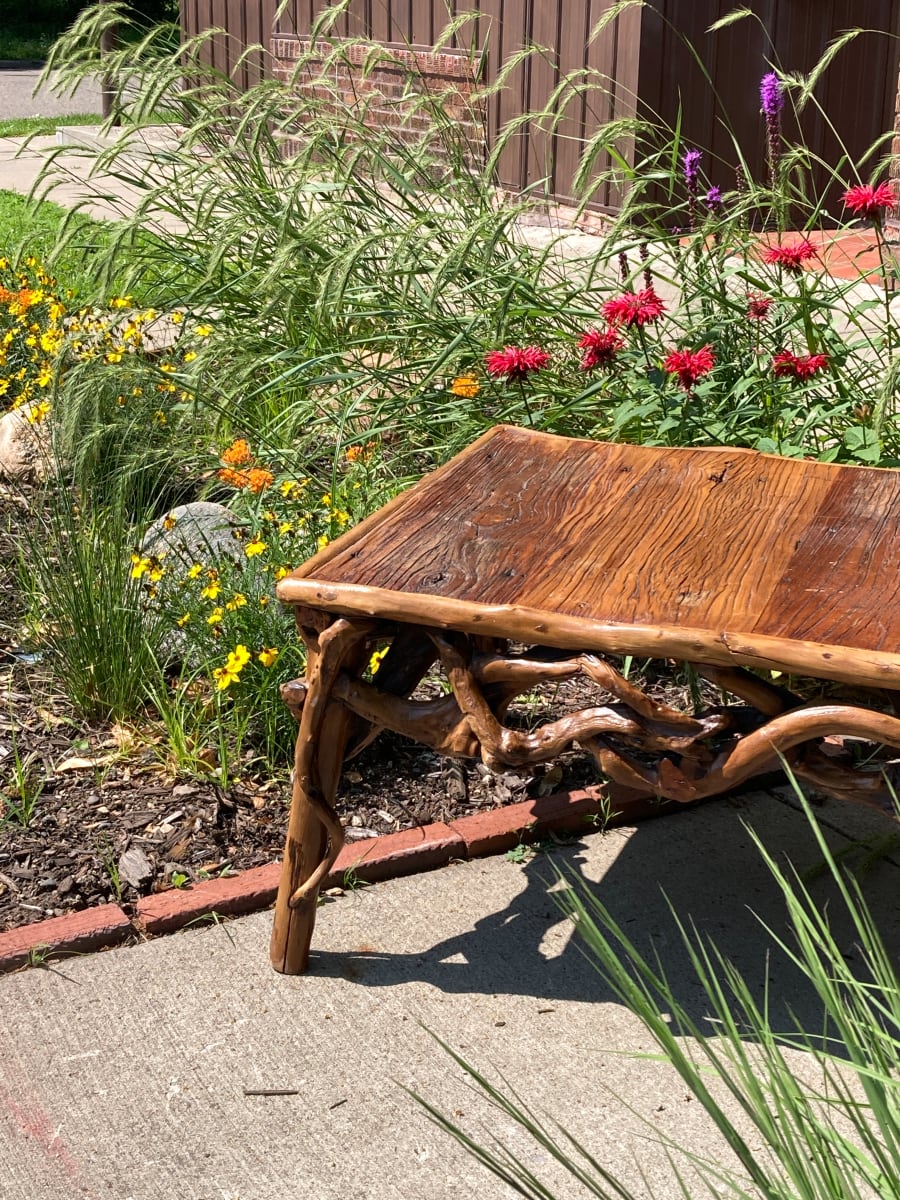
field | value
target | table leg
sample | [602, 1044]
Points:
[314, 835]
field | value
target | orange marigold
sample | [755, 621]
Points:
[237, 454]
[259, 479]
[237, 479]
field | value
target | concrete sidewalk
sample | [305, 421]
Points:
[123, 1074]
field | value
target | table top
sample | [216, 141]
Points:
[712, 555]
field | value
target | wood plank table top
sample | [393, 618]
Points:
[717, 555]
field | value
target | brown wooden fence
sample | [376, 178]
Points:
[644, 51]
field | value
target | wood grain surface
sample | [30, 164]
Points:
[715, 554]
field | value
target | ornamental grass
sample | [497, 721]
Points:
[350, 308]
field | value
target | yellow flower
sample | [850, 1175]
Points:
[322, 541]
[139, 565]
[160, 417]
[292, 488]
[168, 368]
[114, 356]
[264, 602]
[203, 330]
[238, 600]
[341, 517]
[190, 356]
[176, 317]
[376, 658]
[285, 527]
[37, 412]
[466, 386]
[169, 521]
[215, 617]
[183, 620]
[234, 664]
[280, 573]
[45, 376]
[194, 571]
[211, 590]
[257, 546]
[267, 656]
[120, 301]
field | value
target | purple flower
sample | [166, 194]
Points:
[691, 163]
[770, 95]
[714, 199]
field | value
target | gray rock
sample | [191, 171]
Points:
[25, 447]
[201, 532]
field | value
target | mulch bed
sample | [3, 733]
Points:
[111, 822]
[126, 827]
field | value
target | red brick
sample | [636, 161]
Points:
[403, 853]
[502, 828]
[248, 891]
[75, 933]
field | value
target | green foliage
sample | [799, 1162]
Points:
[87, 613]
[829, 1126]
[336, 289]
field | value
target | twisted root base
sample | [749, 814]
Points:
[635, 740]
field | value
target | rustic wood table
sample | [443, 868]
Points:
[528, 556]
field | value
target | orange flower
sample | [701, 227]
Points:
[237, 454]
[237, 479]
[259, 479]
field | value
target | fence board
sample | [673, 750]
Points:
[641, 52]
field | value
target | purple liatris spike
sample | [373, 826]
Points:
[770, 95]
[691, 162]
[771, 100]
[714, 199]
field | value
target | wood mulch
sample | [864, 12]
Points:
[112, 822]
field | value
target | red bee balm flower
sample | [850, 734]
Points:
[634, 308]
[791, 257]
[599, 346]
[798, 366]
[867, 201]
[758, 306]
[515, 362]
[689, 365]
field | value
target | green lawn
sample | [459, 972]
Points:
[29, 228]
[24, 126]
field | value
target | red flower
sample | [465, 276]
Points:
[791, 257]
[758, 306]
[515, 362]
[798, 366]
[689, 365]
[867, 201]
[634, 308]
[599, 346]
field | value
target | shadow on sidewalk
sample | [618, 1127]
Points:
[718, 883]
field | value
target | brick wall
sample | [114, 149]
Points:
[386, 85]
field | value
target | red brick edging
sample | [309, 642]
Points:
[395, 854]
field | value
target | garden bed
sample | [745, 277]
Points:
[86, 804]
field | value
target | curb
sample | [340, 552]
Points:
[405, 853]
[75, 933]
[21, 64]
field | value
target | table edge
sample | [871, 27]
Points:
[847, 664]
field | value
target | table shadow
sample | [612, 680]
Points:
[661, 868]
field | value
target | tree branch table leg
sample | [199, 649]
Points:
[314, 836]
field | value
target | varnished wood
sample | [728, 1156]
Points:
[715, 555]
[721, 558]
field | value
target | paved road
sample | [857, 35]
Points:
[17, 97]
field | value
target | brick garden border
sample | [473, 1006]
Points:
[405, 853]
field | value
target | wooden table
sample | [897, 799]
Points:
[727, 559]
